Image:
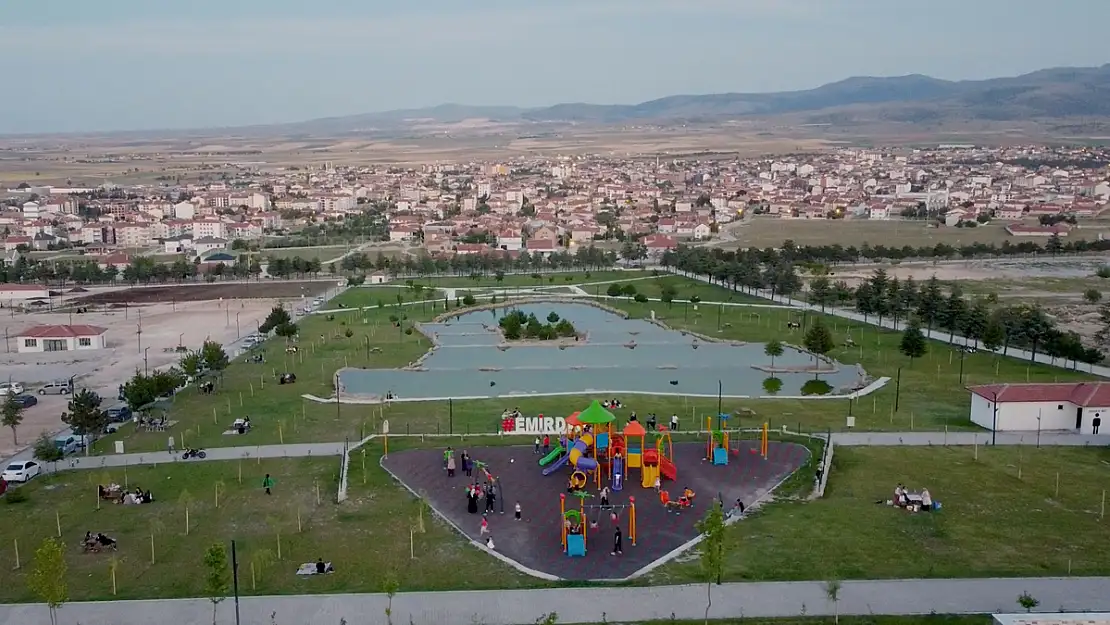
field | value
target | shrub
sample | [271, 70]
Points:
[614, 290]
[468, 300]
[16, 495]
[640, 297]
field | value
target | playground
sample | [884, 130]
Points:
[566, 529]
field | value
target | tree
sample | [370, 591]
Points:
[390, 586]
[286, 330]
[1093, 296]
[711, 550]
[773, 349]
[818, 340]
[48, 576]
[278, 316]
[11, 415]
[614, 290]
[191, 364]
[217, 578]
[85, 415]
[832, 591]
[260, 559]
[45, 450]
[213, 355]
[1028, 601]
[913, 341]
[468, 300]
[994, 335]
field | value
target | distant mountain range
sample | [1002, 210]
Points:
[1064, 92]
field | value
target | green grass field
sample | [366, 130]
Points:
[930, 395]
[323, 252]
[366, 537]
[1001, 516]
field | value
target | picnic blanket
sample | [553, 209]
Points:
[309, 568]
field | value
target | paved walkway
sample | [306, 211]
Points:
[596, 605]
[923, 439]
[300, 450]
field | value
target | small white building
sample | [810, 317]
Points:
[1073, 407]
[60, 338]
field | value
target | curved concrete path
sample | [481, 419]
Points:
[596, 605]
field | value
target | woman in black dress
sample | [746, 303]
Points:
[471, 500]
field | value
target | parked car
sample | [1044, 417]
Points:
[21, 471]
[67, 443]
[26, 401]
[118, 414]
[57, 387]
[10, 388]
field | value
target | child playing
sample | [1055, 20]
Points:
[516, 511]
[536, 447]
[489, 542]
[485, 527]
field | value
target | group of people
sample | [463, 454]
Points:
[611, 404]
[97, 541]
[652, 422]
[477, 491]
[450, 465]
[113, 492]
[241, 426]
[684, 501]
[903, 498]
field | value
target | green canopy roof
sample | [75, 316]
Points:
[596, 415]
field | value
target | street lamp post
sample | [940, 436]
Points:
[180, 337]
[720, 391]
[146, 364]
[897, 388]
[236, 325]
[963, 354]
[994, 427]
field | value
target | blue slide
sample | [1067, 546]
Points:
[555, 466]
[618, 473]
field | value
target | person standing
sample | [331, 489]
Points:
[536, 447]
[268, 483]
[617, 540]
[674, 422]
[546, 444]
[604, 494]
[451, 466]
[1095, 423]
[516, 511]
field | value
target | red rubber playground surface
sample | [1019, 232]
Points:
[534, 541]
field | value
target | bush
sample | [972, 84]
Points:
[1103, 271]
[16, 495]
[614, 290]
[640, 297]
[468, 300]
[628, 290]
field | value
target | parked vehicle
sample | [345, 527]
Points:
[118, 414]
[193, 453]
[10, 388]
[26, 401]
[21, 471]
[57, 387]
[67, 443]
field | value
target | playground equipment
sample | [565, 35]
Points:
[716, 446]
[573, 532]
[657, 462]
[590, 447]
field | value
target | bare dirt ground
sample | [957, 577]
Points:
[205, 292]
[197, 315]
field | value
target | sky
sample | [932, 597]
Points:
[105, 65]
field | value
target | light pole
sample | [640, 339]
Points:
[179, 339]
[146, 364]
[236, 325]
[994, 427]
[897, 388]
[963, 354]
[719, 413]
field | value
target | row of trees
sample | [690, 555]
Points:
[517, 325]
[836, 253]
[936, 306]
[583, 258]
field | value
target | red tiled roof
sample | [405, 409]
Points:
[1094, 394]
[61, 331]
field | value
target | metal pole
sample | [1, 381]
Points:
[897, 388]
[450, 416]
[146, 364]
[235, 579]
[720, 307]
[962, 354]
[719, 409]
[337, 401]
[994, 427]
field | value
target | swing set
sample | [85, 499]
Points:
[573, 522]
[717, 447]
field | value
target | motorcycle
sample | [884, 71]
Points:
[193, 453]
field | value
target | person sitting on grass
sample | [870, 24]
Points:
[926, 500]
[321, 568]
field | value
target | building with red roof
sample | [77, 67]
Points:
[60, 338]
[1071, 406]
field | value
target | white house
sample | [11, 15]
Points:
[1073, 407]
[60, 338]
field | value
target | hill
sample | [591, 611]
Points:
[1066, 92]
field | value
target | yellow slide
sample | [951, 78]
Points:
[650, 473]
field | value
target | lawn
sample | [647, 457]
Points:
[366, 537]
[386, 295]
[322, 252]
[930, 396]
[1002, 516]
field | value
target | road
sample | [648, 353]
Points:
[599, 604]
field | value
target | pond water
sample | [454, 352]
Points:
[469, 363]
